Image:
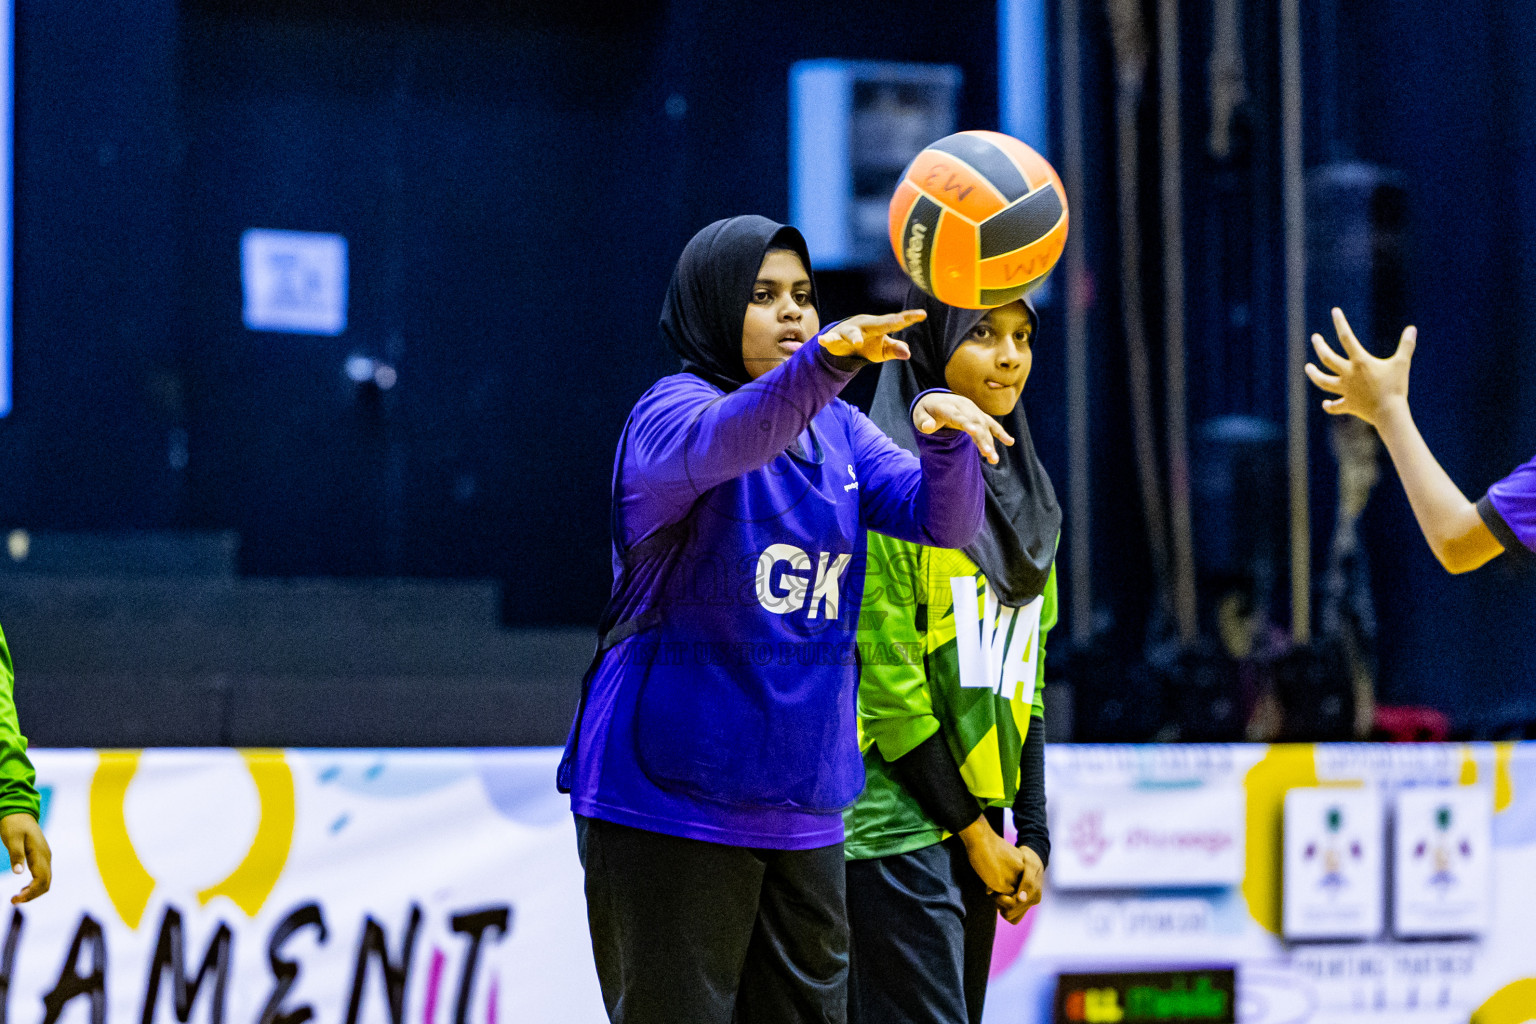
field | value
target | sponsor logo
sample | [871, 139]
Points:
[1085, 837]
[1443, 851]
[1133, 837]
[917, 237]
[1333, 853]
[1209, 843]
[1176, 997]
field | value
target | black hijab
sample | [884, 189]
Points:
[1017, 542]
[711, 288]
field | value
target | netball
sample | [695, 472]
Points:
[978, 219]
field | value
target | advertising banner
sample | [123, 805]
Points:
[1334, 886]
[1440, 947]
[1168, 997]
[443, 887]
[1442, 842]
[276, 887]
[1127, 837]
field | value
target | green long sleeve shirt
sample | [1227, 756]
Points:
[18, 780]
[940, 654]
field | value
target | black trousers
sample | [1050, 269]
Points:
[921, 930]
[699, 933]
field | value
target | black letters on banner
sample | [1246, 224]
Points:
[286, 972]
[72, 983]
[475, 925]
[170, 954]
[373, 942]
[8, 961]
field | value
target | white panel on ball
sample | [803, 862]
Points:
[1334, 863]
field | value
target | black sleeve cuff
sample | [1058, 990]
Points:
[1500, 529]
[1029, 803]
[930, 774]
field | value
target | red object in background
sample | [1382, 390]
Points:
[1410, 724]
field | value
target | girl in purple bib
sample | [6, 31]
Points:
[716, 744]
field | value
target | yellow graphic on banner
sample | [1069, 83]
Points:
[1503, 785]
[1512, 1004]
[1284, 766]
[252, 882]
[129, 885]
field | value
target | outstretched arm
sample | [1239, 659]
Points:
[685, 437]
[936, 499]
[1376, 390]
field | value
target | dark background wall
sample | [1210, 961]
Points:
[513, 190]
[515, 182]
[98, 184]
[1463, 139]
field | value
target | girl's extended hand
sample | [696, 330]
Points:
[865, 335]
[1366, 387]
[947, 409]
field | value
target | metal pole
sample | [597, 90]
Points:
[1292, 186]
[1129, 33]
[1021, 73]
[1079, 512]
[1184, 605]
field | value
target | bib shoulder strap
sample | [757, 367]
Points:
[611, 633]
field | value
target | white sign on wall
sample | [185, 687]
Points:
[1334, 862]
[1134, 837]
[1442, 847]
[294, 281]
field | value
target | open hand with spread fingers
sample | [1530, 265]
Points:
[1366, 387]
[866, 335]
[947, 409]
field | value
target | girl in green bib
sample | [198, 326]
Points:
[950, 717]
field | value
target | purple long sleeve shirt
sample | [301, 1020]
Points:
[733, 719]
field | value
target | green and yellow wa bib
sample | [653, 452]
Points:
[940, 653]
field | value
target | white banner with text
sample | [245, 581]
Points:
[442, 887]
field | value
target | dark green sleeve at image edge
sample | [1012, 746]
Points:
[18, 789]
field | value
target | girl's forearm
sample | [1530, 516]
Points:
[1449, 521]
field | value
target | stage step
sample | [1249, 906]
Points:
[153, 641]
[248, 602]
[135, 553]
